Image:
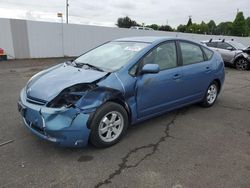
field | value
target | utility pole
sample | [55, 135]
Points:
[67, 11]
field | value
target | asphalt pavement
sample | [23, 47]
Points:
[187, 148]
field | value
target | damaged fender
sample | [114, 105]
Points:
[98, 96]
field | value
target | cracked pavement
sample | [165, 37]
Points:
[190, 147]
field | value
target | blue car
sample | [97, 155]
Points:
[120, 83]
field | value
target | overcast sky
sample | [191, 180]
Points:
[106, 12]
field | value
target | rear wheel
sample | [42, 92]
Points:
[109, 124]
[241, 64]
[211, 95]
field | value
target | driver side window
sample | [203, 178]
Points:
[164, 55]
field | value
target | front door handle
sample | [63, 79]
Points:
[176, 76]
[208, 69]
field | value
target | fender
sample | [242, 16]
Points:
[240, 55]
[98, 96]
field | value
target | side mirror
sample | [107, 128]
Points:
[230, 48]
[150, 69]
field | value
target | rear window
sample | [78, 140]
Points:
[209, 53]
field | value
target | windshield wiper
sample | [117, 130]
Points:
[90, 66]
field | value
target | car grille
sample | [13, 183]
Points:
[35, 101]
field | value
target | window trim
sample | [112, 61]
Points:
[206, 58]
[139, 62]
[193, 43]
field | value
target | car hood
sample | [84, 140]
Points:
[49, 83]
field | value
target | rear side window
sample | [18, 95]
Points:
[223, 45]
[191, 53]
[212, 44]
[209, 53]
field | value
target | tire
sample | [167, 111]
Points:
[241, 64]
[108, 125]
[211, 95]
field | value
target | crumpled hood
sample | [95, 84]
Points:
[247, 50]
[49, 83]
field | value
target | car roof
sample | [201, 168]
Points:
[148, 39]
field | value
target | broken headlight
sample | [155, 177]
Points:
[69, 96]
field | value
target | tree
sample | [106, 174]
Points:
[153, 26]
[126, 22]
[224, 28]
[239, 25]
[194, 28]
[189, 22]
[248, 25]
[165, 28]
[211, 27]
[182, 28]
[203, 28]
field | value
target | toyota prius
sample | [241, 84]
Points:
[95, 97]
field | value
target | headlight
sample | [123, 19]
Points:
[69, 96]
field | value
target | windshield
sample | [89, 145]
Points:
[111, 56]
[238, 45]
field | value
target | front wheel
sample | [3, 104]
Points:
[109, 124]
[211, 95]
[241, 64]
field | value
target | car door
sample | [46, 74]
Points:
[196, 70]
[226, 54]
[155, 93]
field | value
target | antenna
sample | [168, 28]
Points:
[67, 11]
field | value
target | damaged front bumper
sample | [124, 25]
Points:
[65, 126]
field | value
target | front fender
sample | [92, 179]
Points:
[241, 55]
[96, 97]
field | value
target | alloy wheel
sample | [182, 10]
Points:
[212, 94]
[241, 64]
[111, 126]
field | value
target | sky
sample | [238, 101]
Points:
[106, 12]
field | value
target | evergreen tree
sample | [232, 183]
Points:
[239, 25]
[189, 22]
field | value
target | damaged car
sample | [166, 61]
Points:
[95, 97]
[232, 52]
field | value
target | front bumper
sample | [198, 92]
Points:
[65, 126]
